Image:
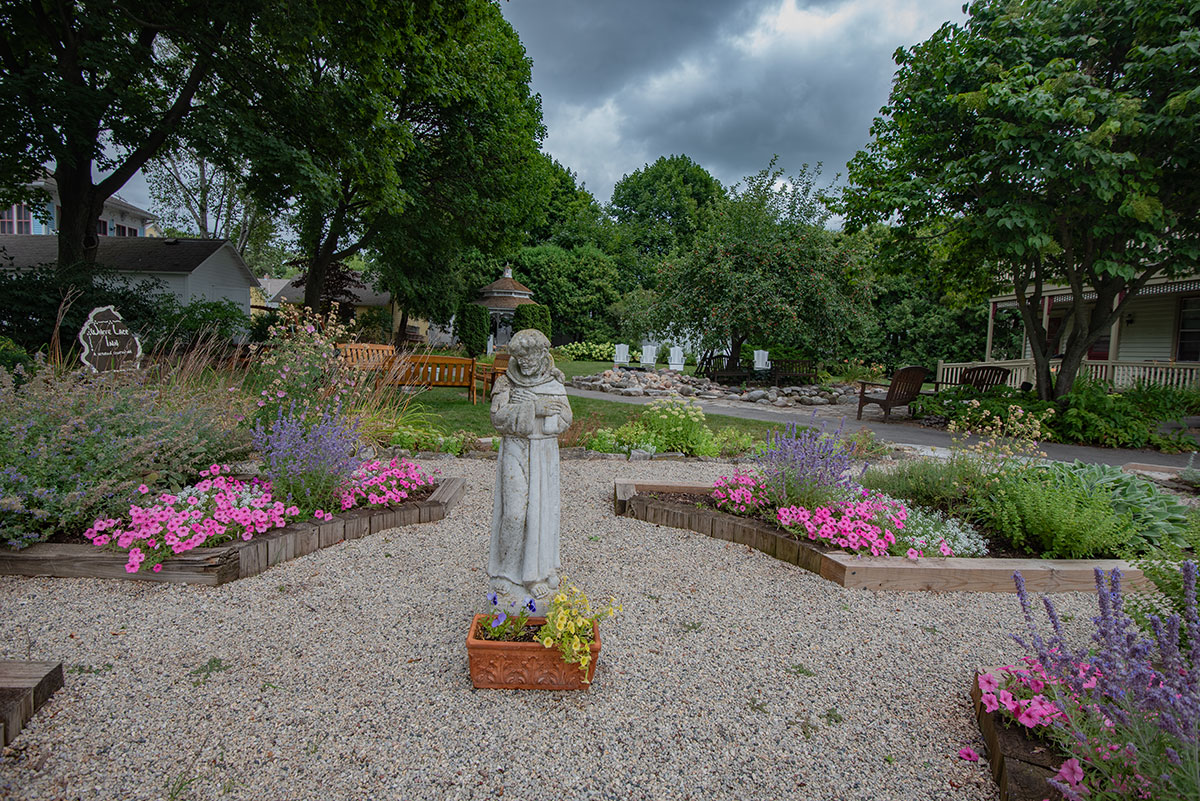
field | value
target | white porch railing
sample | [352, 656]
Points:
[1121, 373]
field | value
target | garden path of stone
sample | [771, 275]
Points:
[342, 674]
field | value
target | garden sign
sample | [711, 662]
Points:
[107, 342]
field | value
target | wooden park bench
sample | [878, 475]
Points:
[412, 369]
[488, 373]
[712, 367]
[904, 387]
[981, 377]
[793, 371]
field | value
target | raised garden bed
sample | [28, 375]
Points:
[1020, 764]
[232, 560]
[24, 687]
[937, 574]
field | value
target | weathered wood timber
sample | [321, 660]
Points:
[24, 687]
[233, 560]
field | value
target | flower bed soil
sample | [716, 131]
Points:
[1020, 764]
[230, 561]
[937, 574]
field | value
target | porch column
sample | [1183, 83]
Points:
[1114, 343]
[987, 352]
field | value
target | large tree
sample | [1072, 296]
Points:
[763, 268]
[101, 86]
[417, 138]
[577, 285]
[1058, 141]
[658, 210]
[189, 193]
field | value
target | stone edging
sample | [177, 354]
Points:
[235, 560]
[936, 574]
[1020, 765]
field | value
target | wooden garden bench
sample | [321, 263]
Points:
[793, 371]
[488, 373]
[982, 377]
[412, 370]
[905, 385]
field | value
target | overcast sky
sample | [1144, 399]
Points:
[726, 82]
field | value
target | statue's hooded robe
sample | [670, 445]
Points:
[525, 514]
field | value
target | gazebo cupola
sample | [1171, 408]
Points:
[501, 298]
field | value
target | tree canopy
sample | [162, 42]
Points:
[763, 268]
[1058, 141]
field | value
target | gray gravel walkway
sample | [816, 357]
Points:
[346, 674]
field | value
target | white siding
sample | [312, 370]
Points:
[1151, 337]
[175, 283]
[220, 276]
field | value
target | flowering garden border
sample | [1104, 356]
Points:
[234, 560]
[930, 574]
[1020, 765]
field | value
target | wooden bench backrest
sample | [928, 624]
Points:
[984, 376]
[361, 354]
[906, 385]
[436, 371]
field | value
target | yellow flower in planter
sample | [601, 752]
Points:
[569, 626]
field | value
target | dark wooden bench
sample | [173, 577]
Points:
[410, 369]
[904, 387]
[981, 377]
[793, 371]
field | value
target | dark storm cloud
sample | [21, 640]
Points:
[727, 83]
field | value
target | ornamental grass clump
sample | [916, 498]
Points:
[309, 460]
[75, 445]
[216, 510]
[1128, 708]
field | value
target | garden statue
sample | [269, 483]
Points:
[530, 410]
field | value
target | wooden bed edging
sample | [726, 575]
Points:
[235, 560]
[28, 685]
[937, 574]
[1020, 765]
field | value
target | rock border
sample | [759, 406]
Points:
[26, 686]
[214, 566]
[928, 574]
[1020, 765]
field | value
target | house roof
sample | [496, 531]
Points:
[290, 293]
[139, 254]
[503, 302]
[505, 284]
[50, 185]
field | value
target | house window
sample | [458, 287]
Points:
[102, 227]
[1189, 330]
[132, 231]
[24, 220]
[7, 218]
[122, 230]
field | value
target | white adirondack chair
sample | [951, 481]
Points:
[675, 358]
[649, 353]
[761, 362]
[621, 357]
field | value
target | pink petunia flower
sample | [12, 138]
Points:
[1071, 772]
[988, 682]
[968, 754]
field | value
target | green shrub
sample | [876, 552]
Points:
[1095, 415]
[947, 485]
[1054, 520]
[189, 322]
[531, 315]
[667, 425]
[472, 324]
[12, 354]
[588, 351]
[731, 442]
[260, 325]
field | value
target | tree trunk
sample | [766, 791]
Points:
[735, 350]
[402, 331]
[80, 206]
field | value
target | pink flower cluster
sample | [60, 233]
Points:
[217, 509]
[741, 493]
[863, 525]
[1019, 691]
[377, 483]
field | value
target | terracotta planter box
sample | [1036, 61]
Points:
[525, 665]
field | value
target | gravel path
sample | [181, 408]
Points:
[346, 674]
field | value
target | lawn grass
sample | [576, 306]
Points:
[450, 409]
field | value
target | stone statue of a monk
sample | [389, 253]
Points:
[530, 410]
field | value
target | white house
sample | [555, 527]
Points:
[118, 219]
[191, 269]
